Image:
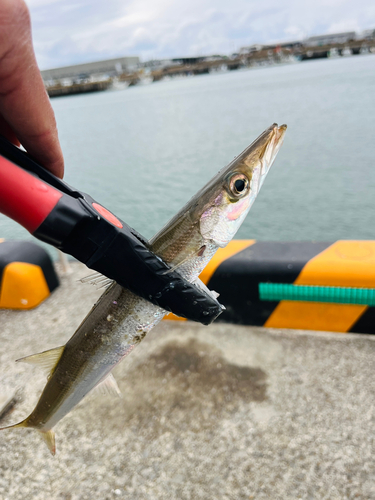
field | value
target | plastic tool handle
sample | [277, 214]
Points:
[76, 224]
[25, 198]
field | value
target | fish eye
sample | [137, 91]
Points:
[238, 185]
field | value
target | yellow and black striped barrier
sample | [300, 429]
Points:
[301, 285]
[27, 276]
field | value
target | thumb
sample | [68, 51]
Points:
[25, 108]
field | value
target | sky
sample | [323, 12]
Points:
[75, 31]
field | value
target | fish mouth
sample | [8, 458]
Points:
[274, 140]
[254, 163]
[256, 160]
[235, 189]
[264, 148]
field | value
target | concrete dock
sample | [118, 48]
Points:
[78, 88]
[220, 412]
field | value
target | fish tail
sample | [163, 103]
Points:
[48, 436]
[49, 439]
[20, 424]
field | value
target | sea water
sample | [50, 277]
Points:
[142, 152]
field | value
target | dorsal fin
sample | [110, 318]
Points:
[47, 360]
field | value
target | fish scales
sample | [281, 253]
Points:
[121, 320]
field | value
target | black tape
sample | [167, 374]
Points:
[76, 228]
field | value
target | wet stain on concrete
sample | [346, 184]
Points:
[200, 366]
[189, 384]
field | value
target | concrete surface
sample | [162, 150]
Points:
[220, 412]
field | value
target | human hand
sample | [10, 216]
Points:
[26, 115]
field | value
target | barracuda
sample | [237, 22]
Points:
[120, 319]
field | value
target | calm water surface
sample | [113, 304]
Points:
[144, 151]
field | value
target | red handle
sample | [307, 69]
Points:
[23, 197]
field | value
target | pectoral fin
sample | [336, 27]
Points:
[47, 360]
[199, 284]
[98, 280]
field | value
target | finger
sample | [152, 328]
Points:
[24, 103]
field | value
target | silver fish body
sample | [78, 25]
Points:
[120, 319]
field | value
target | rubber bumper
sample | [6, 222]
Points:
[298, 285]
[27, 276]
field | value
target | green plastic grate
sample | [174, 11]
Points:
[312, 293]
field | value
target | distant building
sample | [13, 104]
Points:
[283, 45]
[319, 40]
[367, 34]
[156, 64]
[250, 49]
[214, 57]
[188, 60]
[109, 67]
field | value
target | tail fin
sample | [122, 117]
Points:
[20, 424]
[48, 436]
[49, 439]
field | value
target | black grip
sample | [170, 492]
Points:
[121, 254]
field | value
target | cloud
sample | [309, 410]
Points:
[72, 31]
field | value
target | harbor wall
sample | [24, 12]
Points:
[328, 286]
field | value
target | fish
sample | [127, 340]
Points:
[119, 320]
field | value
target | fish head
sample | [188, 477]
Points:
[222, 205]
[213, 216]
